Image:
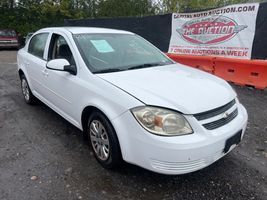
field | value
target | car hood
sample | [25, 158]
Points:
[175, 86]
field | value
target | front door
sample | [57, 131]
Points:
[62, 89]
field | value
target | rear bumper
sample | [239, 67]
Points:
[175, 155]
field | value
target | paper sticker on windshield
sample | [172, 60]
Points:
[102, 46]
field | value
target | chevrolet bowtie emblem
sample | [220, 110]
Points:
[225, 115]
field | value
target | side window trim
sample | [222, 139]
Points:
[47, 46]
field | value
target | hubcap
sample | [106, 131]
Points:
[99, 139]
[25, 89]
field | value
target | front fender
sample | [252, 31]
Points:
[107, 98]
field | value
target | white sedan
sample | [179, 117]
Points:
[130, 100]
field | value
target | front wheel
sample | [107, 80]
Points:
[104, 141]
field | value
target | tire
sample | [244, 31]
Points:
[26, 91]
[103, 141]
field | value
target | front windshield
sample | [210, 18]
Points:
[118, 52]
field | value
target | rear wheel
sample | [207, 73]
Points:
[103, 140]
[26, 91]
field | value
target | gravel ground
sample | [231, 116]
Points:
[42, 156]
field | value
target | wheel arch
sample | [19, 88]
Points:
[21, 73]
[85, 115]
[88, 110]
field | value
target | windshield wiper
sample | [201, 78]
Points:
[108, 70]
[145, 65]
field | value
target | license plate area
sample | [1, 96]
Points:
[235, 139]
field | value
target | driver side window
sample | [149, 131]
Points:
[60, 49]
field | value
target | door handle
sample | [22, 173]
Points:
[45, 72]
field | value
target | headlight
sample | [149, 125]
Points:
[162, 121]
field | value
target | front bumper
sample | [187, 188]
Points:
[178, 154]
[9, 45]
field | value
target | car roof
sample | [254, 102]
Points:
[81, 30]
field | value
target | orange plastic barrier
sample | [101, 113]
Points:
[242, 72]
[239, 71]
[205, 63]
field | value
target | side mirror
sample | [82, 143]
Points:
[61, 65]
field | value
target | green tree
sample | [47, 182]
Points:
[30, 15]
[7, 3]
[122, 8]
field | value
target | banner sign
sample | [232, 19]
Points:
[227, 31]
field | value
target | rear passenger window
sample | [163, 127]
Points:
[37, 44]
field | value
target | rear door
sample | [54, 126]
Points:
[36, 63]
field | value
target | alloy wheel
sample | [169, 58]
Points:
[25, 89]
[100, 140]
